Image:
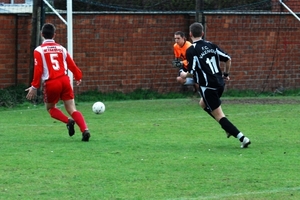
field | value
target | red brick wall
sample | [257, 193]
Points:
[7, 50]
[126, 52]
[264, 49]
[119, 52]
[15, 1]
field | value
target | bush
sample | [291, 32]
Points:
[138, 94]
[14, 95]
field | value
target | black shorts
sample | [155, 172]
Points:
[211, 96]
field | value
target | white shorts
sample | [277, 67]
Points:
[189, 81]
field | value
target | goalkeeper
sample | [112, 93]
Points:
[180, 47]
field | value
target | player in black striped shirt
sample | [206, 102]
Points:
[204, 64]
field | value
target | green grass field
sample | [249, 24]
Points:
[151, 149]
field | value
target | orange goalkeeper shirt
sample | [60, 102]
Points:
[180, 52]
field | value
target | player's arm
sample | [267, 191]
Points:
[176, 62]
[189, 59]
[36, 82]
[227, 69]
[224, 57]
[73, 68]
[185, 63]
[38, 70]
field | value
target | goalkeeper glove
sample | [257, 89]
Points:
[177, 63]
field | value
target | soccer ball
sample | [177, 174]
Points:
[98, 107]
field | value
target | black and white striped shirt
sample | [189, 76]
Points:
[204, 63]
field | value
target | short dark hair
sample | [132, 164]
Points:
[180, 33]
[196, 29]
[48, 31]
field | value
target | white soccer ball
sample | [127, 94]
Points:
[98, 107]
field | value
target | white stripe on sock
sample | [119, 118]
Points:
[240, 135]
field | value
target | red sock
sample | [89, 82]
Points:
[78, 118]
[58, 114]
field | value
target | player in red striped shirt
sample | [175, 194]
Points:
[51, 62]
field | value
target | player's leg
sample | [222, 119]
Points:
[52, 90]
[229, 127]
[202, 101]
[51, 97]
[78, 118]
[213, 103]
[56, 113]
[204, 107]
[68, 98]
[76, 115]
[59, 115]
[179, 78]
[196, 88]
[207, 109]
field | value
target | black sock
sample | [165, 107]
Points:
[229, 127]
[242, 139]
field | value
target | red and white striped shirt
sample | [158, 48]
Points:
[51, 60]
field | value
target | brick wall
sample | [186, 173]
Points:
[8, 50]
[15, 1]
[264, 49]
[126, 52]
[118, 52]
